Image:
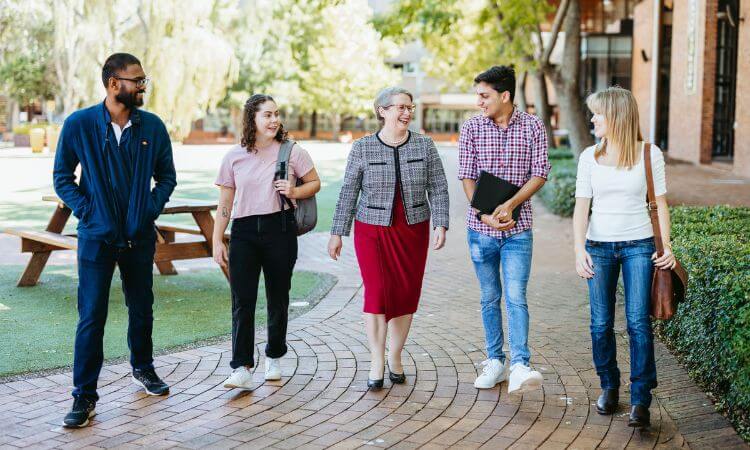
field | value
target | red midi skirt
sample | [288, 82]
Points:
[392, 261]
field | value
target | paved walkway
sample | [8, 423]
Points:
[322, 400]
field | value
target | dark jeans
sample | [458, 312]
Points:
[258, 242]
[96, 265]
[637, 269]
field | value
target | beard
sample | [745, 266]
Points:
[130, 99]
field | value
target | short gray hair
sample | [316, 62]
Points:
[384, 97]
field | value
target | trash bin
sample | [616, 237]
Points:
[36, 138]
[53, 133]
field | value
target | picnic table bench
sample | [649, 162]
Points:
[41, 243]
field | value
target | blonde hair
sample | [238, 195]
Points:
[620, 110]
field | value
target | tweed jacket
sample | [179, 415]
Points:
[371, 176]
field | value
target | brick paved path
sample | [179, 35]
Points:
[322, 400]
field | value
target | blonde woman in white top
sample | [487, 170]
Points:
[618, 235]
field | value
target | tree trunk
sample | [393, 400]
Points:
[336, 126]
[521, 92]
[541, 104]
[566, 79]
[314, 124]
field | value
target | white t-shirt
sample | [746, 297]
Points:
[619, 209]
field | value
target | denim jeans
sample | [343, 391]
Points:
[637, 269]
[96, 265]
[513, 256]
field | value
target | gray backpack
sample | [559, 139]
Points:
[306, 212]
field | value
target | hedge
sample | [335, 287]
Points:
[711, 331]
[558, 193]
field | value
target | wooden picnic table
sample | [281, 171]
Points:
[42, 243]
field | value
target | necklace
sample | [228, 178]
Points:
[396, 143]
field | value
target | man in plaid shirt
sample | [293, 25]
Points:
[511, 145]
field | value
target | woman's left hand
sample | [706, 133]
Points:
[285, 187]
[439, 238]
[666, 261]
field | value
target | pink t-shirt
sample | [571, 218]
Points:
[250, 174]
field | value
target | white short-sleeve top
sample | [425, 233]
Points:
[619, 209]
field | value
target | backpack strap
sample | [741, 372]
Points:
[283, 160]
[285, 153]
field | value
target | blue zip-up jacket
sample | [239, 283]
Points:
[83, 140]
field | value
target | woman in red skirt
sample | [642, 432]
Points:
[398, 178]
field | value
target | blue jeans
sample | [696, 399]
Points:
[96, 265]
[513, 256]
[637, 270]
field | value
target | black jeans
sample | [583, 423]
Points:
[258, 242]
[96, 265]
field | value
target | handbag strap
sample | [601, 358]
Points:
[653, 209]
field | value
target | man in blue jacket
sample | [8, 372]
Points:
[120, 149]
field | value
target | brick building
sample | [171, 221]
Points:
[691, 59]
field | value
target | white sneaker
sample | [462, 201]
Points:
[273, 369]
[241, 378]
[523, 379]
[494, 372]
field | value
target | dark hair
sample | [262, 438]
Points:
[115, 63]
[248, 122]
[501, 78]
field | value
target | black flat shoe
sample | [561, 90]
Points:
[397, 378]
[606, 404]
[375, 384]
[639, 417]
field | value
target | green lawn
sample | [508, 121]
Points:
[37, 324]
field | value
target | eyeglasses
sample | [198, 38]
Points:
[403, 108]
[139, 82]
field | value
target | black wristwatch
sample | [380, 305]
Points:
[479, 215]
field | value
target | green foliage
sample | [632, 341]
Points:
[711, 330]
[559, 153]
[315, 55]
[466, 37]
[558, 193]
[26, 72]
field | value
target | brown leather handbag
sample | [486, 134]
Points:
[668, 286]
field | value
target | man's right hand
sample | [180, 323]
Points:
[490, 221]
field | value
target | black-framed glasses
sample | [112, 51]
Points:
[403, 108]
[139, 82]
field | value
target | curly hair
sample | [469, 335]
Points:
[248, 122]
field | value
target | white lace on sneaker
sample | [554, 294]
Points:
[493, 372]
[273, 369]
[523, 379]
[241, 378]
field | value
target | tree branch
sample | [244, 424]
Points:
[556, 25]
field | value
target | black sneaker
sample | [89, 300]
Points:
[149, 381]
[79, 415]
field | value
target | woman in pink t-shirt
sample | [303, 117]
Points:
[263, 234]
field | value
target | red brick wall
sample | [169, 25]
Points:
[742, 113]
[643, 21]
[688, 112]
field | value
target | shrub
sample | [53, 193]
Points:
[557, 153]
[558, 193]
[711, 330]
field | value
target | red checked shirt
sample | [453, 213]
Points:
[515, 154]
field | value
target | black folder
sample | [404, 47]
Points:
[491, 191]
